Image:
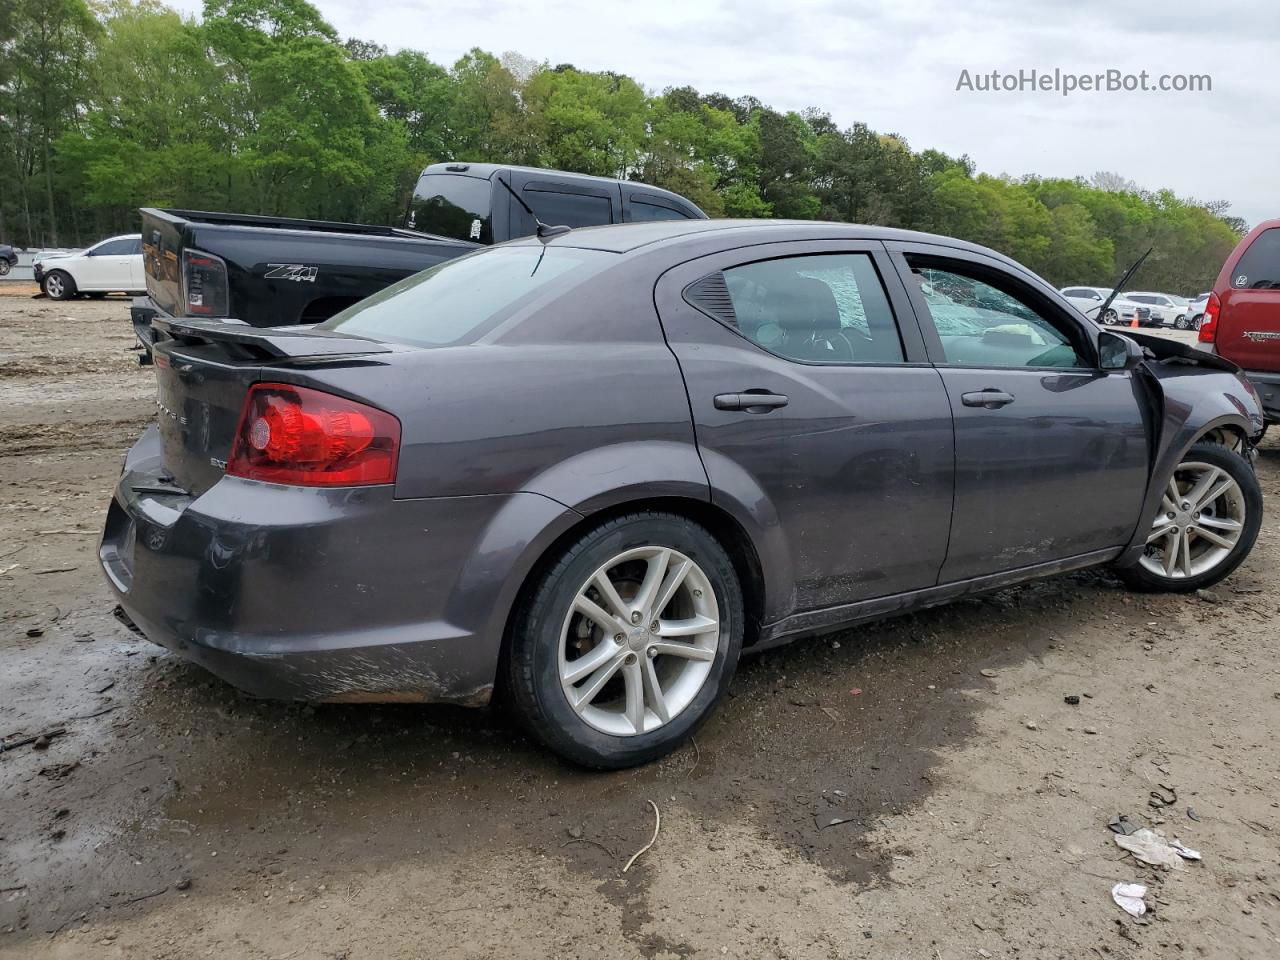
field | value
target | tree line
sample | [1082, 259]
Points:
[260, 107]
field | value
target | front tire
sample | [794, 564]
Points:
[58, 285]
[1208, 520]
[627, 642]
[1181, 323]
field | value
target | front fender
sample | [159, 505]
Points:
[1193, 400]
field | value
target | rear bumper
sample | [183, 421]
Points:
[339, 595]
[142, 310]
[1268, 387]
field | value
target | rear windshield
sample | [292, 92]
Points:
[452, 206]
[458, 301]
[1259, 268]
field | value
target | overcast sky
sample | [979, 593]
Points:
[895, 66]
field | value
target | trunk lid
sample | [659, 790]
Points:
[204, 369]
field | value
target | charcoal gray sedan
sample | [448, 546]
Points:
[588, 473]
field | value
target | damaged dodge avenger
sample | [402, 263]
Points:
[585, 471]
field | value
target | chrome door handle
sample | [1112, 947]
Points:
[750, 402]
[991, 398]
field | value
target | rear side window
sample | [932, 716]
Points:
[1259, 268]
[828, 308]
[569, 209]
[458, 301]
[452, 205]
[641, 211]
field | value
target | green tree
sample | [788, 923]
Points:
[45, 49]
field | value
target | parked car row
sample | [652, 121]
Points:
[1122, 310]
[1152, 309]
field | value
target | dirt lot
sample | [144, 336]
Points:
[174, 818]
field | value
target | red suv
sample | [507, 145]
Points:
[1242, 318]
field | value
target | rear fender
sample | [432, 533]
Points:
[609, 477]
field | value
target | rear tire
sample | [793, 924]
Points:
[1181, 323]
[58, 285]
[633, 700]
[5, 267]
[1111, 317]
[1215, 520]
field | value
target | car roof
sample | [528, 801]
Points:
[626, 237]
[487, 170]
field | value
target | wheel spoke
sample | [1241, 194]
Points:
[618, 606]
[591, 689]
[594, 612]
[652, 580]
[1184, 543]
[686, 650]
[670, 585]
[653, 690]
[1219, 523]
[686, 628]
[633, 678]
[1214, 538]
[1214, 493]
[1203, 483]
[592, 660]
[1171, 551]
[1173, 493]
[1163, 528]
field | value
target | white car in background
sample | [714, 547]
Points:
[1195, 310]
[1166, 308]
[111, 265]
[1088, 300]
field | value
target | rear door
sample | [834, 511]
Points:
[1051, 452]
[1249, 322]
[810, 390]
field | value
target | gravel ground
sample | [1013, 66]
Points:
[176, 819]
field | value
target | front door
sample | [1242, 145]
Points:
[1051, 452]
[810, 389]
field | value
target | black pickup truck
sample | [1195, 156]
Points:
[269, 271]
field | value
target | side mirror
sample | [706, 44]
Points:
[1116, 352]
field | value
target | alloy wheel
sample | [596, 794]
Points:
[639, 641]
[54, 287]
[1200, 521]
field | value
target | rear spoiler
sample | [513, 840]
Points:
[265, 343]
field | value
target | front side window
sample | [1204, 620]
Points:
[115, 248]
[458, 301]
[981, 325]
[829, 308]
[1259, 267]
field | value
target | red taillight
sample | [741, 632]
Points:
[204, 284]
[1209, 322]
[309, 438]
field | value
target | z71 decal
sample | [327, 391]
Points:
[297, 272]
